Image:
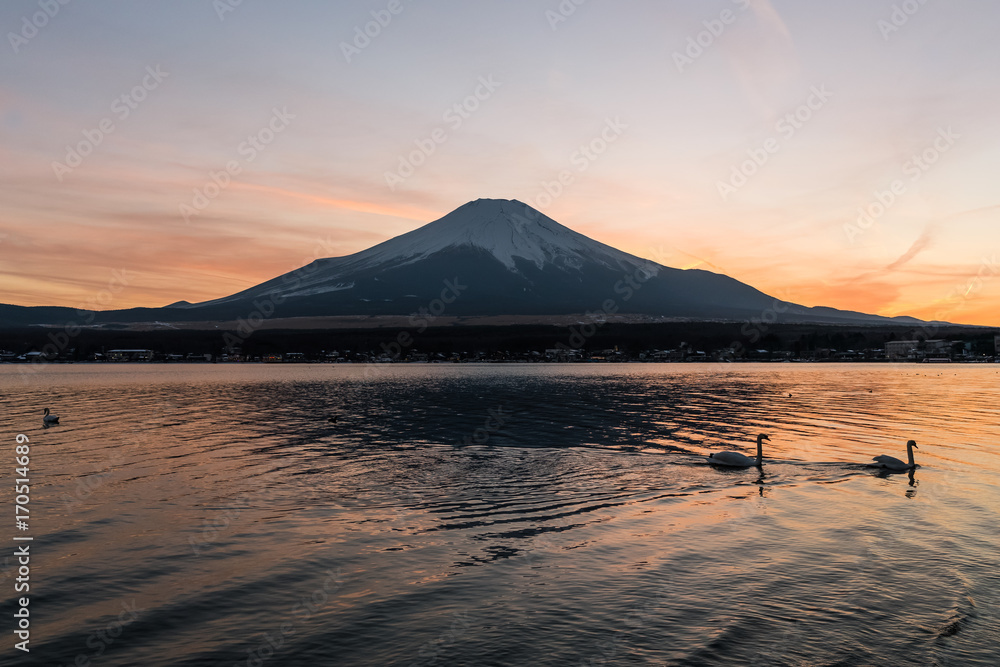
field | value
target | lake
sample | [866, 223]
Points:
[505, 515]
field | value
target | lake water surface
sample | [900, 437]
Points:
[505, 515]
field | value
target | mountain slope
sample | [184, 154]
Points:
[492, 257]
[512, 260]
[482, 239]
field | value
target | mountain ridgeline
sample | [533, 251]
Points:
[490, 257]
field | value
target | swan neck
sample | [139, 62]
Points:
[909, 454]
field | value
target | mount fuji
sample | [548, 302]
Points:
[501, 257]
[494, 257]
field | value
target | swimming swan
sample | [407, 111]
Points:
[49, 419]
[737, 460]
[892, 463]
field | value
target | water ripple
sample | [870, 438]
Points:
[585, 525]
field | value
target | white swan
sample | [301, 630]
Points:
[49, 419]
[892, 463]
[738, 460]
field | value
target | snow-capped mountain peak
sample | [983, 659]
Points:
[516, 235]
[508, 230]
[496, 257]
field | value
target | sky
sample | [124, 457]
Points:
[828, 153]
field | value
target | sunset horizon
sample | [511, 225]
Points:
[755, 148]
[952, 308]
[517, 332]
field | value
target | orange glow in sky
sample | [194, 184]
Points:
[188, 156]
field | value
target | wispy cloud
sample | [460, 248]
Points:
[763, 58]
[767, 15]
[918, 247]
[391, 210]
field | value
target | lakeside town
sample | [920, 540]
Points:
[914, 351]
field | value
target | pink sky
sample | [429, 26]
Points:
[751, 155]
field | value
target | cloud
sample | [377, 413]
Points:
[391, 210]
[764, 59]
[769, 16]
[918, 246]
